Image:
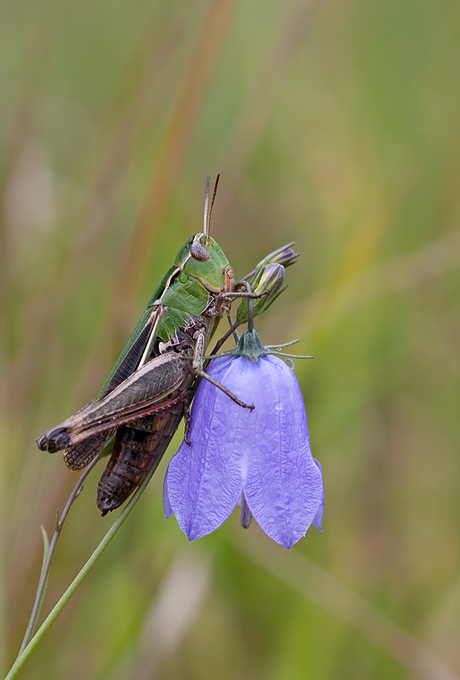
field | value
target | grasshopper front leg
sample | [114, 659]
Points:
[197, 367]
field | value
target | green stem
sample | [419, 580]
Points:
[52, 616]
[49, 555]
[220, 342]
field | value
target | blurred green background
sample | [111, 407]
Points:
[334, 124]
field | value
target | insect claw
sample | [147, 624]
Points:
[251, 407]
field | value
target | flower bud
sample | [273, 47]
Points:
[267, 282]
[284, 255]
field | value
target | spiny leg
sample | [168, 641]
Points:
[237, 295]
[197, 367]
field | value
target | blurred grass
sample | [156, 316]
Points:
[335, 125]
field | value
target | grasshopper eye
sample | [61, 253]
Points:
[199, 252]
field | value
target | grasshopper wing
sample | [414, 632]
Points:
[80, 455]
[155, 386]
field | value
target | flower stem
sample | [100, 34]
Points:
[220, 342]
[52, 616]
[41, 588]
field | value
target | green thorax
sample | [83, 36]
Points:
[189, 290]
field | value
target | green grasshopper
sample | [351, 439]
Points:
[148, 390]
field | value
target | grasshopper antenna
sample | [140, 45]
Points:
[207, 213]
[213, 199]
[206, 203]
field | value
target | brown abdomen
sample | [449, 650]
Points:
[136, 447]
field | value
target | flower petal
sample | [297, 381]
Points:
[203, 482]
[282, 484]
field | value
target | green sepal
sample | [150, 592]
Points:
[268, 283]
[284, 255]
[259, 307]
[250, 346]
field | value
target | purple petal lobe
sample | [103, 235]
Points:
[166, 502]
[204, 480]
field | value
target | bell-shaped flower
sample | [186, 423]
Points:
[260, 457]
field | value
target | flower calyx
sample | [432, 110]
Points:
[251, 346]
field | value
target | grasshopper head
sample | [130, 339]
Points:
[203, 258]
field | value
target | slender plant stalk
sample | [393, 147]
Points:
[49, 555]
[52, 616]
[220, 342]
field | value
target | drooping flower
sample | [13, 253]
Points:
[261, 458]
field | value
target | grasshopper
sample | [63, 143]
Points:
[148, 390]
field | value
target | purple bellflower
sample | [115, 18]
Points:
[260, 458]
